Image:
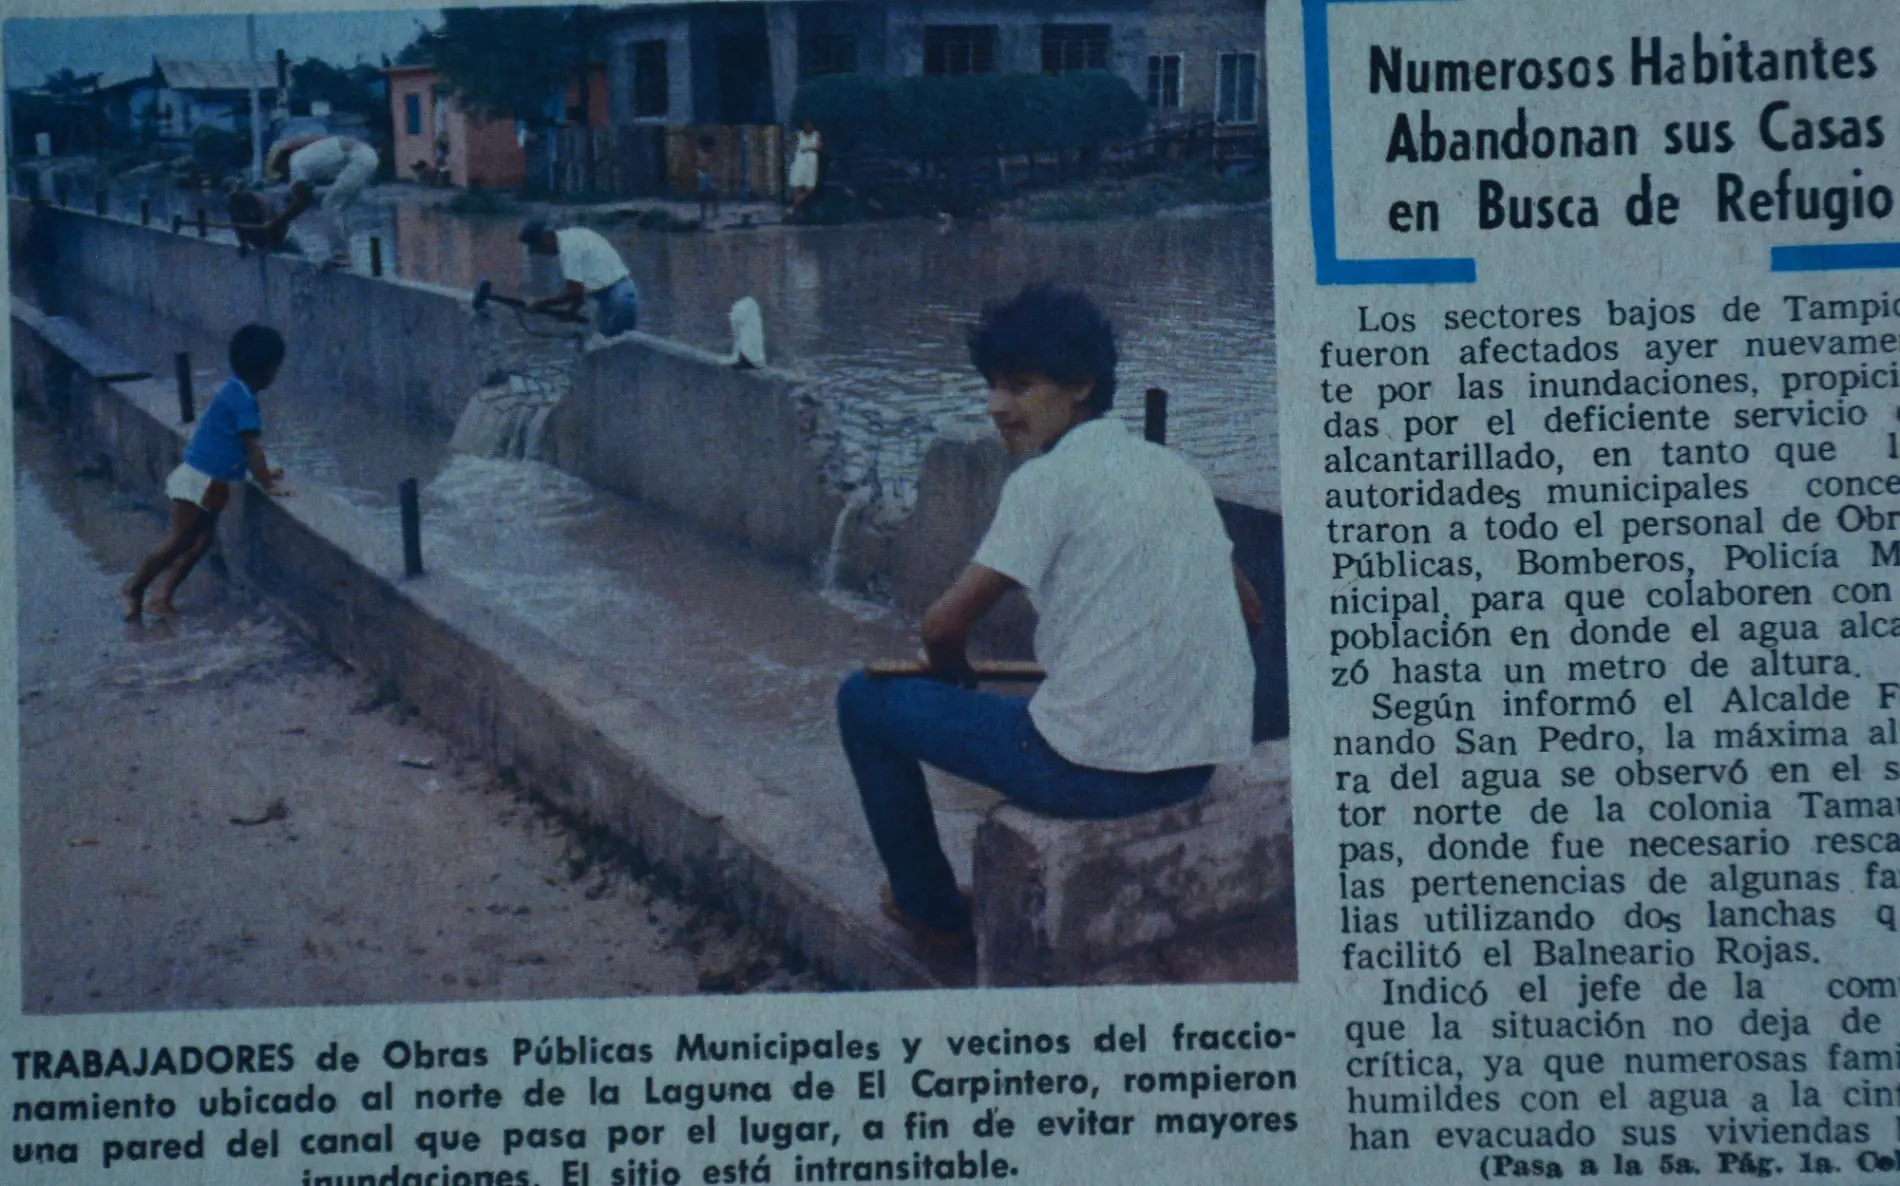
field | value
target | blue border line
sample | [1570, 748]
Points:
[1834, 257]
[1328, 267]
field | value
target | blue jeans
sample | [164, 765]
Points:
[891, 726]
[617, 307]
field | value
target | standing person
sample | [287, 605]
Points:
[224, 447]
[805, 163]
[703, 162]
[589, 267]
[347, 166]
[1142, 622]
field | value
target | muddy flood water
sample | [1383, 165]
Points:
[876, 313]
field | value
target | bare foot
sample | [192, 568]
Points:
[133, 603]
[163, 606]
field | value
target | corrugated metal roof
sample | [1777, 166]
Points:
[109, 81]
[184, 75]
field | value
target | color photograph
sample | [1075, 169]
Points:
[590, 502]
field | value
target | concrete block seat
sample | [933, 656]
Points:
[1063, 901]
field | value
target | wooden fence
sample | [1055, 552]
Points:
[599, 162]
[747, 161]
[657, 162]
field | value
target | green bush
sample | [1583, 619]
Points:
[481, 201]
[853, 111]
[216, 150]
[925, 118]
[1102, 109]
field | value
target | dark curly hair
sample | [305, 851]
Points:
[256, 348]
[1050, 331]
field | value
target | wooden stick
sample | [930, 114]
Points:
[1002, 671]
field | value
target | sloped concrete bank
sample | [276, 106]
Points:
[515, 698]
[741, 454]
[1058, 901]
[738, 455]
[747, 456]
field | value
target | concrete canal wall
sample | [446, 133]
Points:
[740, 454]
[516, 699]
[736, 453]
[1057, 901]
[417, 346]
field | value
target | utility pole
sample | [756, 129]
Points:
[257, 106]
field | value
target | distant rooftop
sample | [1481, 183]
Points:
[184, 75]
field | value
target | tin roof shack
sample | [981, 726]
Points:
[182, 96]
[741, 63]
[455, 147]
[1206, 63]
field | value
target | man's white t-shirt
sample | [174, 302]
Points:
[588, 259]
[1122, 552]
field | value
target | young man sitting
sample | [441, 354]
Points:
[1141, 623]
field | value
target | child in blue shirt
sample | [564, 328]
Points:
[224, 447]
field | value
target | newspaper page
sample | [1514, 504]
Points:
[826, 592]
[1587, 334]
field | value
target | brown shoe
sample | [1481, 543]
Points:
[931, 936]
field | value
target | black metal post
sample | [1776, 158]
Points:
[411, 528]
[145, 212]
[204, 226]
[187, 408]
[375, 255]
[178, 223]
[1155, 421]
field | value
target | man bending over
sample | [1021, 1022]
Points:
[347, 166]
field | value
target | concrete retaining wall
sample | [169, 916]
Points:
[736, 453]
[1064, 901]
[506, 692]
[731, 451]
[418, 346]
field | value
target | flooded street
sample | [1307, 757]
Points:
[875, 313]
[214, 814]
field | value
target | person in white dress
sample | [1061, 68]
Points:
[805, 162]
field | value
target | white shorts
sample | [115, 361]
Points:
[198, 488]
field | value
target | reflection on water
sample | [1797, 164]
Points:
[876, 314]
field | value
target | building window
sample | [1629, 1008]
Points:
[650, 89]
[830, 53]
[959, 49]
[412, 114]
[1164, 82]
[1234, 103]
[1074, 47]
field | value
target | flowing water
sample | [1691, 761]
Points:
[876, 314]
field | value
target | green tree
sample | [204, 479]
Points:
[516, 64]
[66, 84]
[508, 63]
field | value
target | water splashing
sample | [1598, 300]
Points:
[859, 499]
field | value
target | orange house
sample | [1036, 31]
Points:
[480, 154]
